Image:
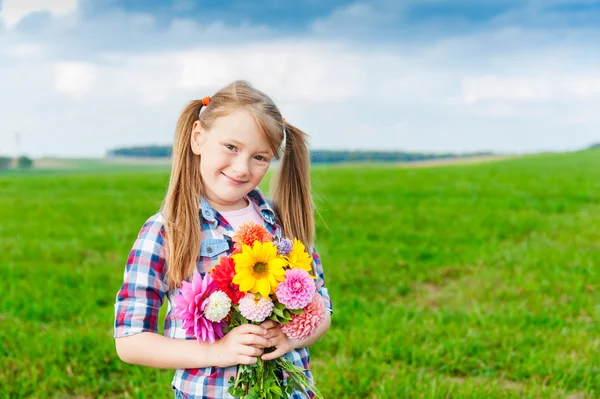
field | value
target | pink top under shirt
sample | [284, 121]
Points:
[239, 216]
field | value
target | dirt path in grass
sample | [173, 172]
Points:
[454, 161]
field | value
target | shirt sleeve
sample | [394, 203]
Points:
[139, 300]
[320, 282]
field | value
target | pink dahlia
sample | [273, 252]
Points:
[190, 305]
[256, 307]
[297, 290]
[304, 325]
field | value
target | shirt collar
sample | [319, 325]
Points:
[256, 196]
[265, 205]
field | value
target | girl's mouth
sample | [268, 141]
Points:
[234, 181]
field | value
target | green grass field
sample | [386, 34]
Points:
[448, 282]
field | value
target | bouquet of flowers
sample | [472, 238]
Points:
[265, 278]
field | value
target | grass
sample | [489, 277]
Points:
[447, 282]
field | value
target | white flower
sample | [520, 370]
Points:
[218, 306]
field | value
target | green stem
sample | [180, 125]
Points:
[237, 377]
[299, 378]
[262, 377]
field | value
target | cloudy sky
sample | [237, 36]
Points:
[78, 77]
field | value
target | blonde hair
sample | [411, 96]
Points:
[291, 187]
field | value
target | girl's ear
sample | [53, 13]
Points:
[197, 138]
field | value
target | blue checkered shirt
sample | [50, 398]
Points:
[145, 288]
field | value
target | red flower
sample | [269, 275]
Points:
[223, 274]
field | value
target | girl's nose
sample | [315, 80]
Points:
[240, 167]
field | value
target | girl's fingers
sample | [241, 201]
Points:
[251, 351]
[273, 355]
[247, 359]
[252, 329]
[268, 324]
[272, 334]
[255, 340]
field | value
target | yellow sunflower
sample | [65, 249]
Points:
[258, 268]
[299, 258]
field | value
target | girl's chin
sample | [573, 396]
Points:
[232, 198]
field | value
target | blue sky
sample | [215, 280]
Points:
[78, 77]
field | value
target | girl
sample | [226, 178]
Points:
[220, 155]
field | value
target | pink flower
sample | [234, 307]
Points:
[297, 290]
[190, 305]
[256, 307]
[304, 325]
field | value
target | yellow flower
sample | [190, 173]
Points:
[299, 258]
[258, 268]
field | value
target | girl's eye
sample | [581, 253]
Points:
[261, 158]
[230, 147]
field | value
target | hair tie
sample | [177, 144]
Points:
[284, 121]
[206, 101]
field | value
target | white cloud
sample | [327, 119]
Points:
[526, 89]
[507, 88]
[353, 18]
[582, 87]
[75, 78]
[296, 72]
[344, 97]
[23, 50]
[504, 89]
[13, 11]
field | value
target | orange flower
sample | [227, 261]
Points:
[249, 232]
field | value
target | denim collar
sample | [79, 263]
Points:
[256, 196]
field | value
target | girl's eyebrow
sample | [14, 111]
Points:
[234, 141]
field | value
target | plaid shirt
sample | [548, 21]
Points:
[144, 290]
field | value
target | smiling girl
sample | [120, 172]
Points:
[223, 147]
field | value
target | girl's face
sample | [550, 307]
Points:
[234, 157]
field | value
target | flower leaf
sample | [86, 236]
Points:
[278, 312]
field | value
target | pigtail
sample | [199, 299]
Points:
[292, 196]
[181, 204]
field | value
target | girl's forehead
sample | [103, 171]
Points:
[236, 119]
[240, 126]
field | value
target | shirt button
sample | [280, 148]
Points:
[209, 250]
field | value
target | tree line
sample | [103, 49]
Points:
[21, 162]
[316, 156]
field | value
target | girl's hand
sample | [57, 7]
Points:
[242, 345]
[278, 339]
